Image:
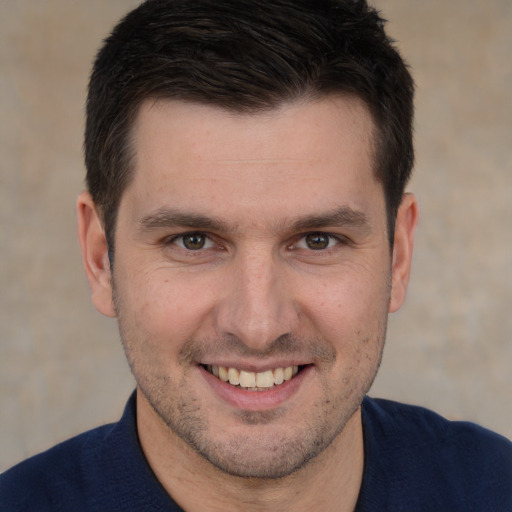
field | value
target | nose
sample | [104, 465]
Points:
[257, 303]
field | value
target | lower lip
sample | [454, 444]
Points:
[255, 400]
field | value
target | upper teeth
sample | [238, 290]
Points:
[253, 380]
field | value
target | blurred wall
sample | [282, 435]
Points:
[62, 369]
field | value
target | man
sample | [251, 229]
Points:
[246, 223]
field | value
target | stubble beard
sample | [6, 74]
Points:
[273, 454]
[250, 454]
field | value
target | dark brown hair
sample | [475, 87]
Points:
[245, 56]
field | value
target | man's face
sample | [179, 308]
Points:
[253, 247]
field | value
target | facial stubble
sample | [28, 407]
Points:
[264, 449]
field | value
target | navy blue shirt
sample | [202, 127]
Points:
[414, 461]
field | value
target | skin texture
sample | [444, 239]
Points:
[253, 293]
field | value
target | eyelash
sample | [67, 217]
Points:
[182, 236]
[330, 238]
[340, 240]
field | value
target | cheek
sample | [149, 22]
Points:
[352, 320]
[166, 309]
[349, 305]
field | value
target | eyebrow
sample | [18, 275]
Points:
[344, 216]
[172, 218]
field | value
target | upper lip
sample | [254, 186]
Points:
[256, 367]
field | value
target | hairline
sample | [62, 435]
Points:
[128, 150]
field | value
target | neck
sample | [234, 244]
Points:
[331, 481]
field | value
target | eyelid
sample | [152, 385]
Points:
[339, 239]
[300, 239]
[209, 243]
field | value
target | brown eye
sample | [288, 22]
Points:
[194, 241]
[317, 241]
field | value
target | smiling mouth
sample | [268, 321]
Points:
[253, 381]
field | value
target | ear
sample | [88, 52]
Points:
[405, 227]
[95, 254]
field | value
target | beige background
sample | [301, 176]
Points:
[61, 366]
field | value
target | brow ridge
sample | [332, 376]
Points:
[171, 218]
[344, 216]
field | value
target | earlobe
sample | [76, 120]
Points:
[95, 254]
[405, 228]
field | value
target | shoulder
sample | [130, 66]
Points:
[427, 457]
[423, 427]
[34, 483]
[102, 469]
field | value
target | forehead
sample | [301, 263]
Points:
[337, 110]
[185, 152]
